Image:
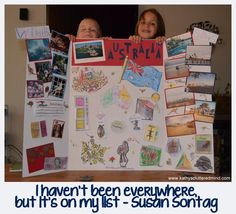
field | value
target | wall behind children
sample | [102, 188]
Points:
[177, 20]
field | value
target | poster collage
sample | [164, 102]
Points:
[110, 104]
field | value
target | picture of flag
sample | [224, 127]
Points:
[139, 76]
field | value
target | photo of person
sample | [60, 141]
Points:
[57, 128]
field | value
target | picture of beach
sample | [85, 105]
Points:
[198, 55]
[180, 125]
[204, 111]
[90, 51]
[178, 44]
[176, 97]
[200, 82]
[176, 68]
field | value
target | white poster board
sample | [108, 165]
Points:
[125, 106]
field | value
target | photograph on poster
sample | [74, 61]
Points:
[89, 51]
[59, 63]
[35, 89]
[57, 128]
[177, 45]
[57, 87]
[176, 68]
[177, 97]
[204, 111]
[59, 41]
[198, 55]
[180, 125]
[200, 82]
[44, 71]
[53, 163]
[38, 49]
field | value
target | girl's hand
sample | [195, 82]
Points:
[71, 37]
[135, 38]
[160, 39]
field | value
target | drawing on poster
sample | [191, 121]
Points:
[122, 151]
[144, 108]
[89, 80]
[173, 146]
[93, 153]
[184, 163]
[203, 163]
[139, 76]
[150, 156]
[150, 134]
[203, 143]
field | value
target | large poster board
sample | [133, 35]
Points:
[125, 106]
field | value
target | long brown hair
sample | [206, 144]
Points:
[160, 22]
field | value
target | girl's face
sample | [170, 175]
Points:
[147, 26]
[88, 29]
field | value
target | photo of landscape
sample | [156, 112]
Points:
[176, 68]
[200, 82]
[176, 97]
[180, 125]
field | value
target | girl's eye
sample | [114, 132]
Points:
[153, 23]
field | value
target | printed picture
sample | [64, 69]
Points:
[204, 111]
[89, 51]
[35, 89]
[176, 97]
[44, 71]
[38, 49]
[190, 109]
[176, 68]
[53, 163]
[59, 41]
[180, 125]
[200, 82]
[178, 44]
[203, 143]
[59, 64]
[198, 55]
[58, 87]
[57, 128]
